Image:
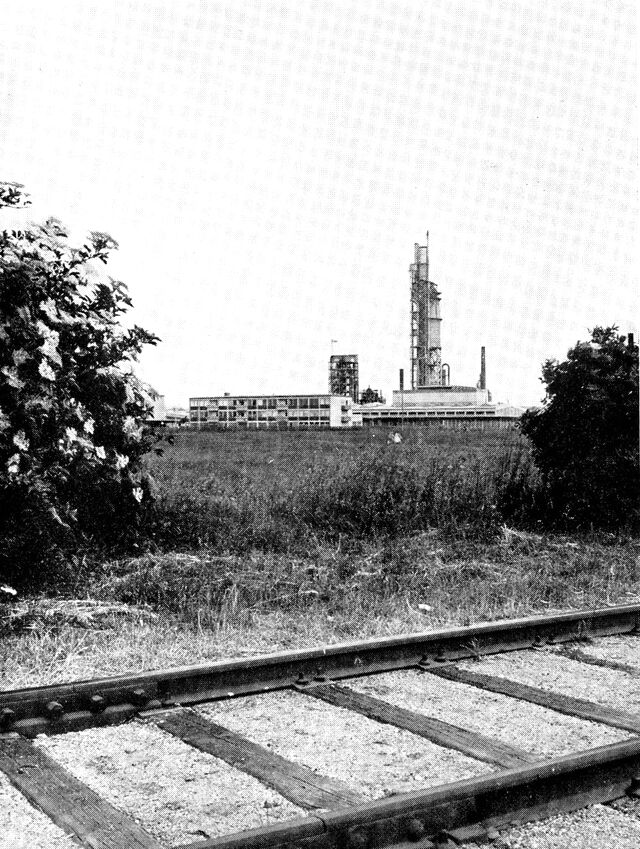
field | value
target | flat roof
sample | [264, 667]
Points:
[298, 395]
[453, 388]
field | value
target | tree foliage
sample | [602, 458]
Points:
[71, 431]
[585, 436]
[371, 396]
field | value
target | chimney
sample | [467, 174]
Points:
[483, 370]
[401, 380]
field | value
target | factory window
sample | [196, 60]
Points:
[232, 416]
[251, 415]
[324, 404]
[242, 402]
[272, 403]
[304, 403]
[293, 403]
[313, 403]
[262, 403]
[251, 403]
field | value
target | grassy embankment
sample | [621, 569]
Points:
[269, 540]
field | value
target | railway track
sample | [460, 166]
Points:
[392, 683]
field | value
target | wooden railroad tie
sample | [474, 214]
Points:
[451, 736]
[559, 702]
[297, 783]
[68, 802]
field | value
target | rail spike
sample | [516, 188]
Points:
[139, 697]
[415, 829]
[357, 838]
[54, 711]
[7, 718]
[97, 703]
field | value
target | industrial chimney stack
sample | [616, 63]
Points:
[483, 370]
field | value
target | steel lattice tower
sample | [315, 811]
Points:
[343, 376]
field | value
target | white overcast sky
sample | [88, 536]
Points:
[267, 167]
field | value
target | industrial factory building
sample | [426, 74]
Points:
[431, 399]
[465, 418]
[284, 412]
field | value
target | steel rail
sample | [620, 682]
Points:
[59, 708]
[467, 810]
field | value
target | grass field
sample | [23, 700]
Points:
[270, 540]
[265, 458]
[277, 491]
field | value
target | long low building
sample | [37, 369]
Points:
[470, 416]
[454, 397]
[286, 412]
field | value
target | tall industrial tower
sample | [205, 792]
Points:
[426, 351]
[343, 375]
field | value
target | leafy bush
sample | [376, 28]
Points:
[71, 438]
[521, 494]
[585, 436]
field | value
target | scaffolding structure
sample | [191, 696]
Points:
[426, 351]
[343, 376]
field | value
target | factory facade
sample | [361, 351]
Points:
[488, 417]
[280, 412]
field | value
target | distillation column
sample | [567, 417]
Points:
[426, 351]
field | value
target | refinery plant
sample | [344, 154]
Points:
[431, 398]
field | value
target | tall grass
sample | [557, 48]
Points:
[274, 539]
[446, 580]
[281, 493]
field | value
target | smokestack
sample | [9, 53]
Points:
[483, 370]
[630, 340]
[401, 380]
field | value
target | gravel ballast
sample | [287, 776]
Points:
[598, 827]
[374, 759]
[551, 671]
[177, 793]
[617, 649]
[24, 827]
[535, 729]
